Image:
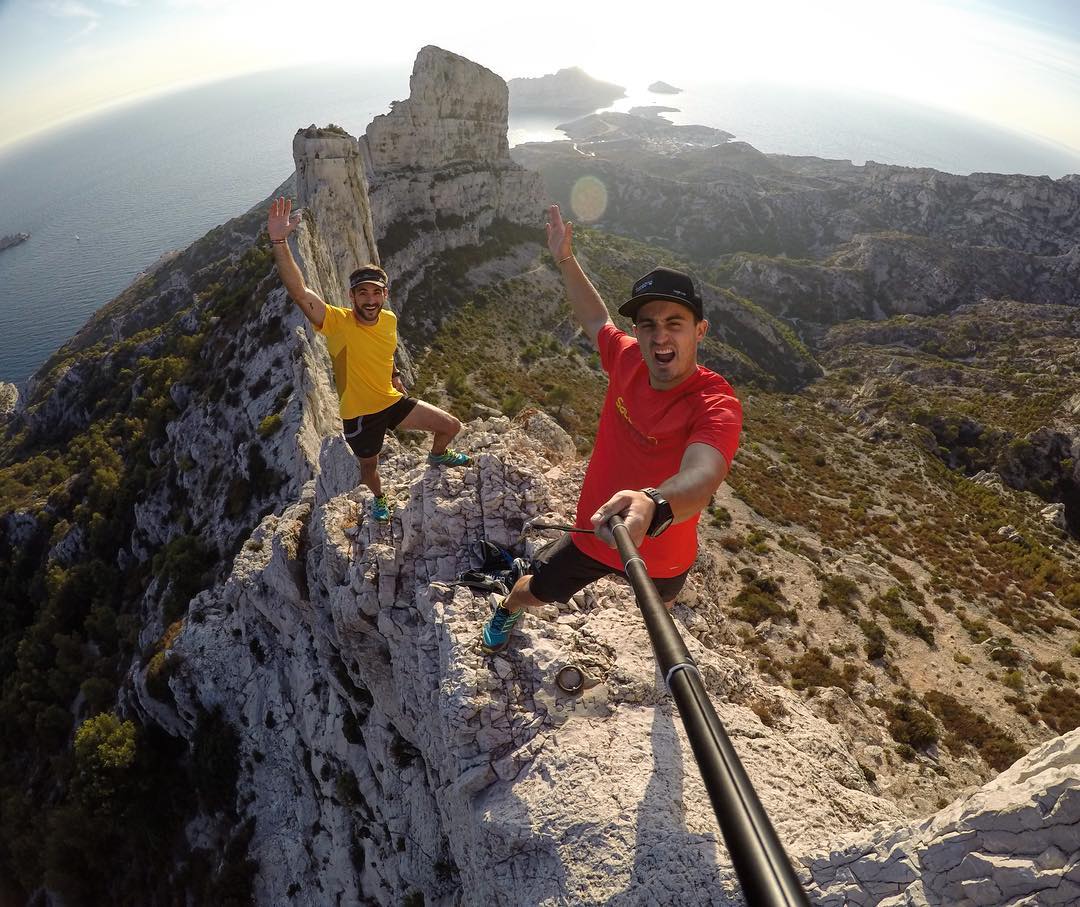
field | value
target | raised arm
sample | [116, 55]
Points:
[279, 224]
[688, 492]
[589, 308]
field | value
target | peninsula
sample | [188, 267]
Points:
[570, 89]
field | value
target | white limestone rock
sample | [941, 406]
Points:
[1054, 514]
[439, 168]
[1014, 841]
[9, 400]
[456, 112]
[540, 427]
[331, 184]
[349, 667]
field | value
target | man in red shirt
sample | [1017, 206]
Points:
[668, 431]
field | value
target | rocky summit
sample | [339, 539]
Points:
[223, 683]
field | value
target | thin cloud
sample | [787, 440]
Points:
[86, 30]
[69, 9]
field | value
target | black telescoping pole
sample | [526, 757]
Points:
[764, 870]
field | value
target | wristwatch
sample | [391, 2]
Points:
[662, 516]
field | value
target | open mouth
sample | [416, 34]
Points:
[664, 357]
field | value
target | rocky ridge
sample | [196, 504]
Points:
[879, 239]
[427, 752]
[347, 661]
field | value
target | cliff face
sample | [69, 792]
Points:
[440, 170]
[456, 112]
[331, 182]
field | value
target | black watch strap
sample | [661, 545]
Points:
[662, 515]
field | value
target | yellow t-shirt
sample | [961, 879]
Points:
[363, 360]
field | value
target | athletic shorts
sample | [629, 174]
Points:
[561, 570]
[365, 434]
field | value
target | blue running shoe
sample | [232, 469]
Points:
[449, 457]
[496, 635]
[380, 509]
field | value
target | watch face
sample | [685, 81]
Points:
[656, 530]
[662, 516]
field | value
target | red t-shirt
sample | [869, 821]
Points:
[642, 437]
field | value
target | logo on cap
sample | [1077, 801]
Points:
[663, 283]
[366, 275]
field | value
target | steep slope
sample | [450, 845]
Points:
[824, 241]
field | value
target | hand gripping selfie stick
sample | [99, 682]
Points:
[764, 870]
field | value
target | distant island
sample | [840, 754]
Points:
[13, 239]
[664, 88]
[568, 90]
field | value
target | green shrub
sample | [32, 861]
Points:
[1059, 707]
[839, 592]
[911, 725]
[814, 669]
[966, 727]
[1054, 668]
[270, 425]
[1005, 653]
[889, 604]
[720, 517]
[162, 666]
[875, 640]
[1014, 680]
[759, 600]
[104, 752]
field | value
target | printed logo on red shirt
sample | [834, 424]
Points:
[621, 407]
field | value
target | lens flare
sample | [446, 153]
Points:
[588, 199]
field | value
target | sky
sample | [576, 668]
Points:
[1015, 64]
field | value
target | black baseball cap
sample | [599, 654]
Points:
[367, 275]
[663, 283]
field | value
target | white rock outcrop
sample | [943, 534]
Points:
[1015, 841]
[330, 181]
[382, 753]
[456, 112]
[9, 400]
[440, 172]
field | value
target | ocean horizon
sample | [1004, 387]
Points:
[105, 196]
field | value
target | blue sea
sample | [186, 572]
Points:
[105, 196]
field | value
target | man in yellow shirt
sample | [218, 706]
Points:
[362, 341]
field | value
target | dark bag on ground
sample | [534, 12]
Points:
[499, 569]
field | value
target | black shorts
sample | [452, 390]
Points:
[561, 570]
[365, 434]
